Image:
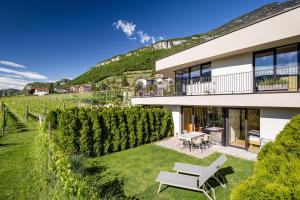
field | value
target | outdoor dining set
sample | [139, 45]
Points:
[200, 140]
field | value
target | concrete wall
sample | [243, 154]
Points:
[275, 31]
[232, 65]
[285, 100]
[177, 119]
[272, 121]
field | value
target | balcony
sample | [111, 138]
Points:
[277, 79]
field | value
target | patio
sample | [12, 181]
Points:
[173, 143]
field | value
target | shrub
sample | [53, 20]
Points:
[131, 124]
[107, 131]
[77, 163]
[276, 174]
[68, 130]
[95, 132]
[123, 129]
[86, 134]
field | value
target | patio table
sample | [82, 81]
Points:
[190, 136]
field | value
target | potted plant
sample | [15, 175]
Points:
[273, 84]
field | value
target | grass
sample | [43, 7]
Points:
[132, 173]
[16, 152]
[129, 173]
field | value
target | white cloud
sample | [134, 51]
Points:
[144, 37]
[12, 64]
[127, 27]
[153, 40]
[10, 76]
[17, 78]
[6, 83]
[25, 74]
[132, 38]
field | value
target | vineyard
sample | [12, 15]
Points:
[23, 106]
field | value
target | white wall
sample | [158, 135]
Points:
[232, 65]
[176, 114]
[273, 120]
[279, 100]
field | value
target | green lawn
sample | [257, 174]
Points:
[129, 173]
[132, 173]
[16, 151]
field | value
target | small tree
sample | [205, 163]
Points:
[51, 88]
[124, 81]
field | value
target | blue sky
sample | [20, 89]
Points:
[47, 40]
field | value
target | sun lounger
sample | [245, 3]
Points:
[198, 170]
[185, 181]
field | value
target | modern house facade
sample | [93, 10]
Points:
[243, 86]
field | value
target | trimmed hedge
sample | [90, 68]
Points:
[277, 171]
[96, 132]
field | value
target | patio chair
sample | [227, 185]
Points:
[198, 143]
[207, 141]
[187, 182]
[202, 170]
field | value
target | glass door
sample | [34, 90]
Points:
[188, 121]
[236, 127]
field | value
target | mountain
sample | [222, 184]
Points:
[9, 92]
[58, 84]
[144, 58]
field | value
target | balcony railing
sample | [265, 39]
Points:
[277, 79]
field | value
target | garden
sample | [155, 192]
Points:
[110, 153]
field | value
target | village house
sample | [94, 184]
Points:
[41, 91]
[81, 88]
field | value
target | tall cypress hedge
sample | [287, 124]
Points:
[277, 171]
[96, 132]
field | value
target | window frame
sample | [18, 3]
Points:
[274, 53]
[274, 50]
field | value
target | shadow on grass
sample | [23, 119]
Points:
[107, 189]
[221, 175]
[31, 116]
[18, 125]
[94, 170]
[8, 144]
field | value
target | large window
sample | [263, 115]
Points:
[264, 63]
[195, 72]
[191, 74]
[287, 60]
[208, 117]
[181, 80]
[206, 71]
[277, 69]
[282, 60]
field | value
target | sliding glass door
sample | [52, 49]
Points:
[188, 118]
[236, 127]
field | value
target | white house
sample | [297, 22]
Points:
[41, 91]
[242, 87]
